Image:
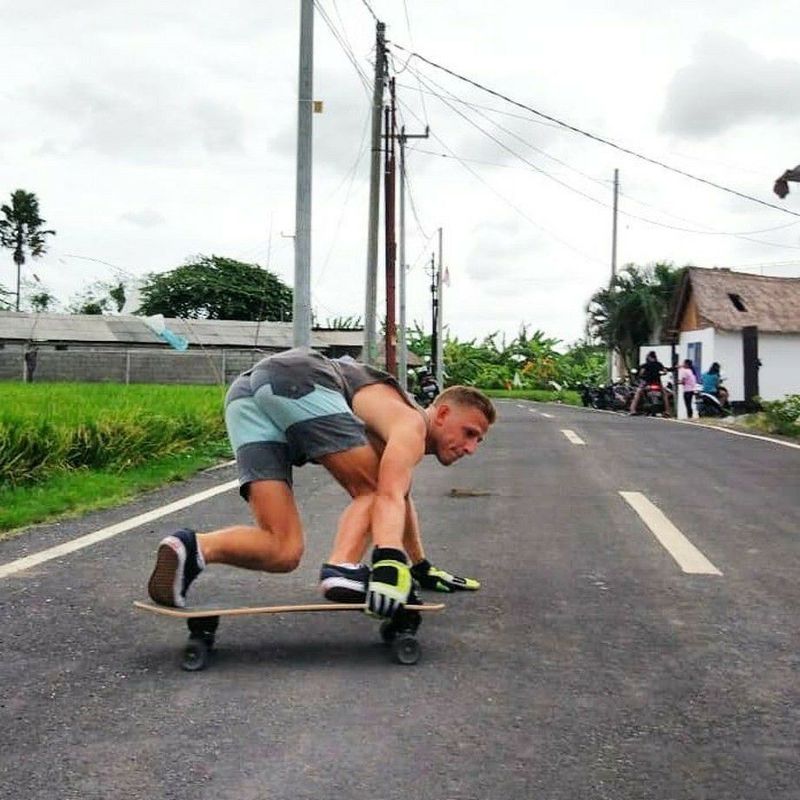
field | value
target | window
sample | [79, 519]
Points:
[737, 301]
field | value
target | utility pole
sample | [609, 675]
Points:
[391, 245]
[302, 230]
[374, 197]
[613, 265]
[434, 315]
[402, 346]
[439, 326]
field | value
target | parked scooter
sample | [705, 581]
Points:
[709, 405]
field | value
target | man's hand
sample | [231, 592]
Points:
[390, 582]
[437, 580]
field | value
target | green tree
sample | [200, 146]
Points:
[21, 230]
[632, 311]
[100, 297]
[213, 287]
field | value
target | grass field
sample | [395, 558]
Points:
[67, 448]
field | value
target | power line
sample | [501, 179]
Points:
[535, 168]
[369, 8]
[341, 38]
[593, 136]
[509, 202]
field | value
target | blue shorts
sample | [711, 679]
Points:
[277, 421]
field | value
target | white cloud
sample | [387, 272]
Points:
[729, 84]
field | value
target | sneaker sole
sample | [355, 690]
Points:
[342, 590]
[163, 586]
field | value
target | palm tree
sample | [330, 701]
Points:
[631, 312]
[21, 230]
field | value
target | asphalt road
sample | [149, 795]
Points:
[590, 665]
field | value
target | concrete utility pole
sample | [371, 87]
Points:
[613, 264]
[370, 348]
[391, 245]
[439, 324]
[302, 229]
[402, 346]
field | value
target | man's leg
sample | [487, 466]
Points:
[356, 471]
[635, 402]
[273, 544]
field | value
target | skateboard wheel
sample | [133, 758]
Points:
[388, 631]
[195, 655]
[405, 649]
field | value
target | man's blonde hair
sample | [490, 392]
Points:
[468, 396]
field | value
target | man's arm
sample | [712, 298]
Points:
[390, 581]
[402, 453]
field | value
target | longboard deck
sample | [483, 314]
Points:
[207, 611]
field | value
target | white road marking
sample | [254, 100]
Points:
[689, 558]
[112, 530]
[742, 433]
[572, 436]
[549, 416]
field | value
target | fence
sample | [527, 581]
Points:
[141, 365]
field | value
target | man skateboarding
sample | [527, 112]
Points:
[357, 422]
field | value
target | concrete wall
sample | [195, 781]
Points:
[129, 366]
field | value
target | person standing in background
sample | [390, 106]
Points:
[688, 383]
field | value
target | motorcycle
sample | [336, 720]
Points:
[427, 389]
[652, 400]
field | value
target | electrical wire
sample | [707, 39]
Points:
[592, 136]
[506, 200]
[369, 8]
[345, 45]
[534, 167]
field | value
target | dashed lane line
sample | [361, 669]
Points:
[688, 557]
[89, 539]
[572, 436]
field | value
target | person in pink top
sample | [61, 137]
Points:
[688, 381]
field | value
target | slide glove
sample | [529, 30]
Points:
[390, 583]
[437, 580]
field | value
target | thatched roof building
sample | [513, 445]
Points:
[729, 301]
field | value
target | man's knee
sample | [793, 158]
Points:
[287, 560]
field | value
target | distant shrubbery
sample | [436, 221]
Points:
[781, 416]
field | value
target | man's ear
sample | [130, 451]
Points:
[442, 412]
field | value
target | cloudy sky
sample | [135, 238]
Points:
[151, 132]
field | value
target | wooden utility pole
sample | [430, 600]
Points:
[391, 245]
[302, 230]
[370, 348]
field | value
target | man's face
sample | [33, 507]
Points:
[456, 431]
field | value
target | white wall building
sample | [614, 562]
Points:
[749, 324]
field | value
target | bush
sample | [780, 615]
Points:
[783, 416]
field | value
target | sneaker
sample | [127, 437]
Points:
[178, 563]
[344, 583]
